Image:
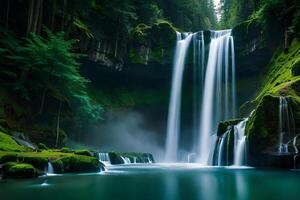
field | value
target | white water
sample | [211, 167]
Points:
[240, 143]
[198, 81]
[50, 170]
[104, 158]
[215, 102]
[173, 127]
[223, 144]
[286, 129]
[125, 160]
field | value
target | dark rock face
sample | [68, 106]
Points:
[118, 158]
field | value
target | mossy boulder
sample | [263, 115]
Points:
[76, 163]
[37, 162]
[262, 126]
[83, 152]
[225, 125]
[19, 170]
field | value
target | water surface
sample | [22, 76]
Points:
[159, 182]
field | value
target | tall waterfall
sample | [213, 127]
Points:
[198, 82]
[286, 129]
[218, 103]
[240, 143]
[213, 92]
[173, 127]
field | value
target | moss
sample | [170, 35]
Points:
[19, 170]
[280, 75]
[78, 164]
[65, 150]
[42, 146]
[152, 43]
[223, 126]
[262, 126]
[9, 144]
[83, 152]
[62, 162]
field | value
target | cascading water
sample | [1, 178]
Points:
[198, 82]
[222, 148]
[104, 158]
[213, 92]
[173, 127]
[217, 102]
[50, 169]
[125, 160]
[240, 143]
[286, 129]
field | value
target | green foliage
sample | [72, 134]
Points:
[46, 69]
[9, 144]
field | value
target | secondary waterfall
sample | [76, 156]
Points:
[218, 102]
[50, 169]
[240, 143]
[173, 127]
[286, 129]
[104, 158]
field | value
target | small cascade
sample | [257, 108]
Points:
[222, 148]
[286, 129]
[240, 143]
[218, 99]
[125, 160]
[173, 127]
[104, 158]
[50, 169]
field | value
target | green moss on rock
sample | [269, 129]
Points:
[9, 144]
[19, 170]
[83, 152]
[78, 163]
[223, 126]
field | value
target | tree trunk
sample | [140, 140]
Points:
[58, 124]
[40, 18]
[43, 101]
[70, 26]
[53, 15]
[30, 16]
[116, 47]
[36, 15]
[7, 13]
[63, 15]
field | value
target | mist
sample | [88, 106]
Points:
[127, 131]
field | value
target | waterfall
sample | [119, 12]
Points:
[198, 81]
[125, 160]
[50, 169]
[240, 143]
[221, 148]
[173, 127]
[286, 129]
[104, 158]
[217, 101]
